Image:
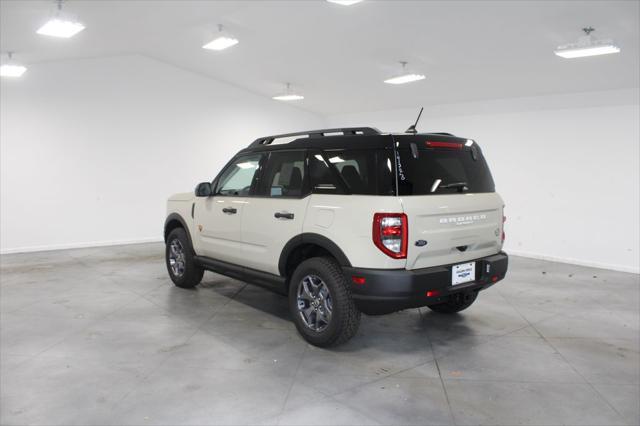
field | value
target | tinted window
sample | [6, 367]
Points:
[238, 177]
[284, 175]
[442, 171]
[323, 179]
[362, 172]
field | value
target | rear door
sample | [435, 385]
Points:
[276, 213]
[448, 195]
[218, 219]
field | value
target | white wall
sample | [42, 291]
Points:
[567, 167]
[90, 149]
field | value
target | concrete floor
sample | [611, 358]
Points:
[101, 336]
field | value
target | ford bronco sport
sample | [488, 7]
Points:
[345, 221]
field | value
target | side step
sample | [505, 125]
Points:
[271, 282]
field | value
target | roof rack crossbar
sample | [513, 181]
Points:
[266, 140]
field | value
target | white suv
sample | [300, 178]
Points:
[345, 221]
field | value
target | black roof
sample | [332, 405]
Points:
[341, 138]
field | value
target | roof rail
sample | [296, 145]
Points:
[266, 140]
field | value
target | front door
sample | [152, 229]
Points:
[218, 218]
[276, 213]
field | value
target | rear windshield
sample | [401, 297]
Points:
[437, 171]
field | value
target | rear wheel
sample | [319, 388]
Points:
[456, 303]
[181, 265]
[321, 304]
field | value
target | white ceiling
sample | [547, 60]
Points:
[338, 56]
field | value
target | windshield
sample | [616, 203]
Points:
[437, 171]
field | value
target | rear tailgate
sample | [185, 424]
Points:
[456, 228]
[447, 191]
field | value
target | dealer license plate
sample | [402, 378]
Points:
[463, 273]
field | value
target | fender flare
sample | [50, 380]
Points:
[176, 217]
[311, 238]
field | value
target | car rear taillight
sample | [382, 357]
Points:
[390, 234]
[447, 145]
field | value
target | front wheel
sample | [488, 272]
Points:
[321, 303]
[456, 303]
[183, 270]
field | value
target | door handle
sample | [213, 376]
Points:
[279, 215]
[230, 210]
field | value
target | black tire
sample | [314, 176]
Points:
[192, 274]
[456, 303]
[345, 318]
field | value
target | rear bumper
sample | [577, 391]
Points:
[390, 290]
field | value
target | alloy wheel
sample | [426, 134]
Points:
[176, 258]
[314, 303]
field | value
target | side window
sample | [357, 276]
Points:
[363, 171]
[323, 179]
[238, 177]
[284, 175]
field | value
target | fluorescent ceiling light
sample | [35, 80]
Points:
[288, 95]
[10, 70]
[587, 46]
[59, 28]
[344, 2]
[581, 52]
[223, 41]
[407, 78]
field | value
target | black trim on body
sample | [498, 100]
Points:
[388, 290]
[311, 238]
[262, 279]
[176, 217]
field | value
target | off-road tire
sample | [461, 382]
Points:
[456, 303]
[192, 272]
[345, 318]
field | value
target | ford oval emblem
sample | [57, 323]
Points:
[421, 243]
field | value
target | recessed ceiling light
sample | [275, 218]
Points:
[288, 95]
[587, 46]
[223, 41]
[58, 27]
[11, 69]
[344, 2]
[404, 77]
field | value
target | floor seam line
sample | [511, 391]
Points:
[293, 382]
[600, 396]
[169, 355]
[444, 388]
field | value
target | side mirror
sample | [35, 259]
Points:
[204, 189]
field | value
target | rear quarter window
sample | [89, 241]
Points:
[353, 171]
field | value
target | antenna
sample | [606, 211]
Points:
[412, 129]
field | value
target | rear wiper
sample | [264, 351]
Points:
[461, 186]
